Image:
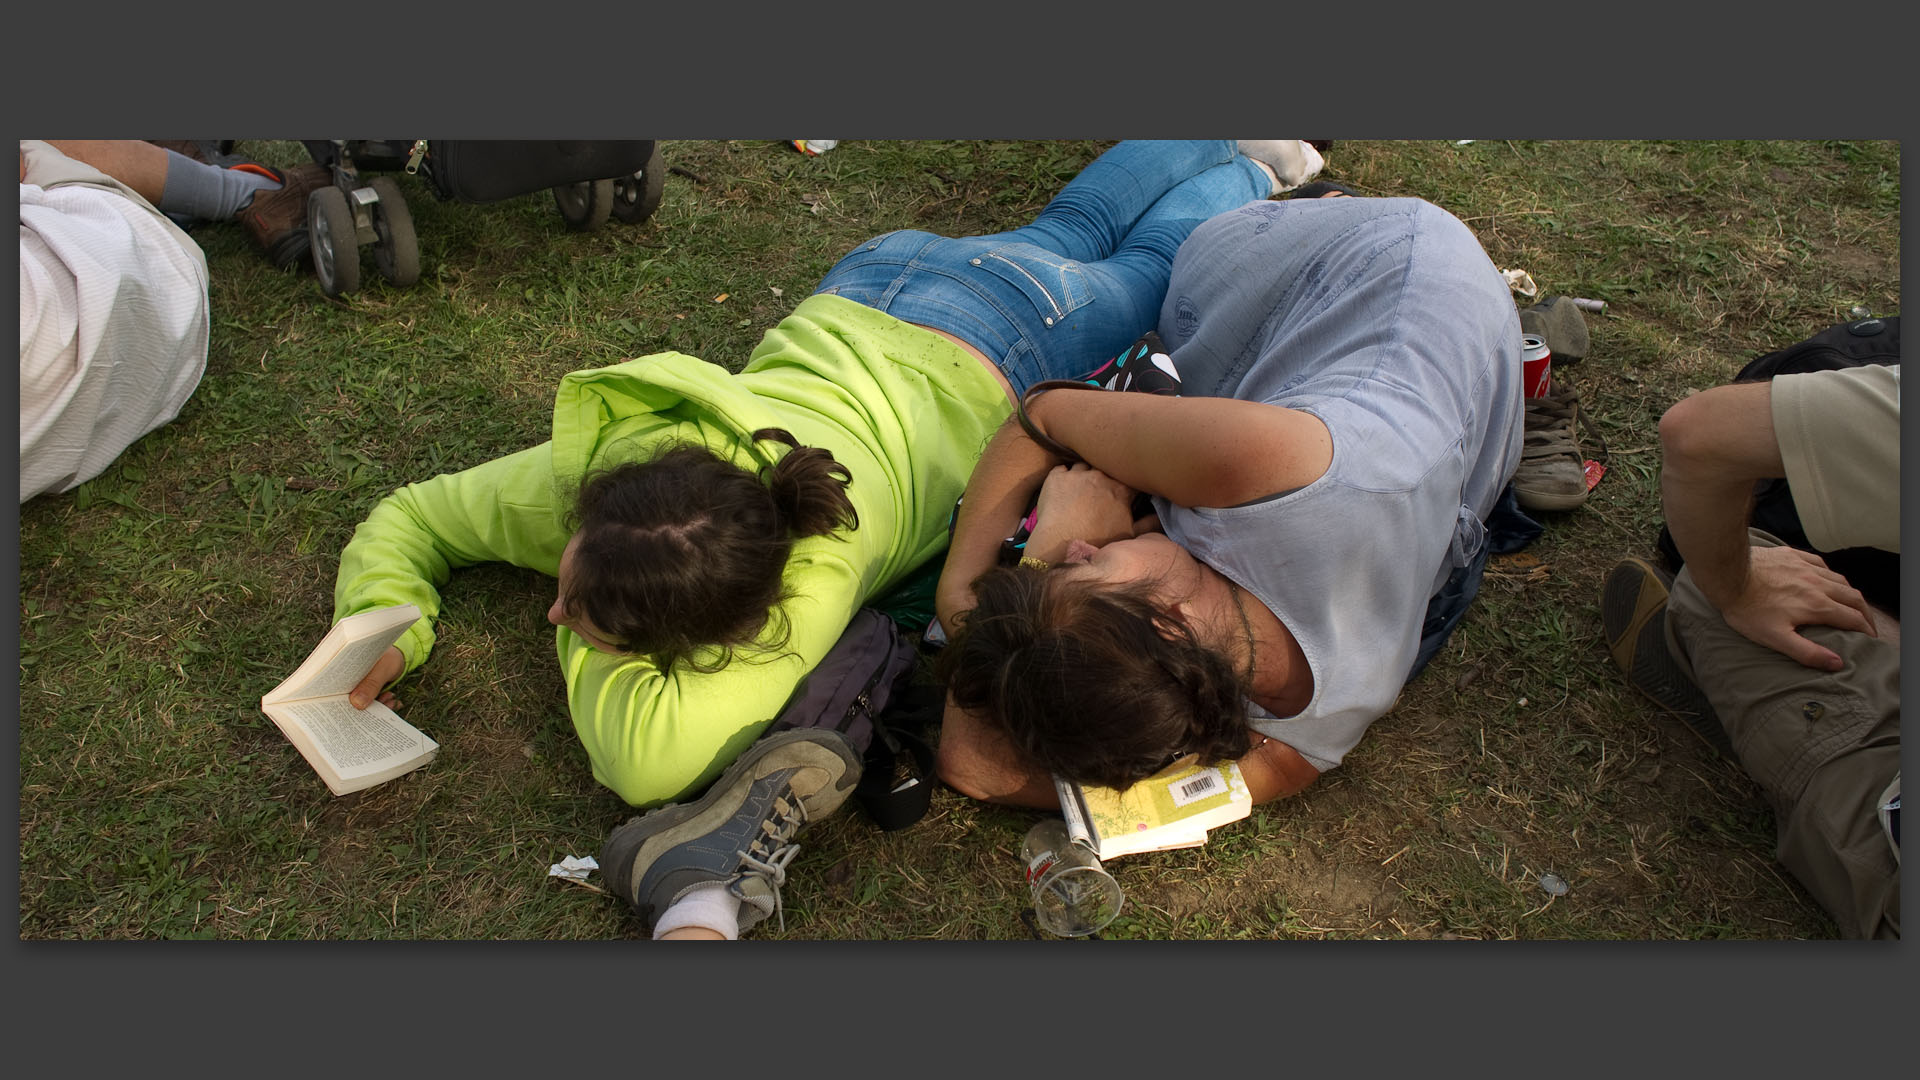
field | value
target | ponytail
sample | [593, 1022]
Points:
[808, 487]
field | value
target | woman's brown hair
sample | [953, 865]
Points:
[1092, 682]
[688, 550]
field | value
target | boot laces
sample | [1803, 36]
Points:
[1549, 426]
[768, 855]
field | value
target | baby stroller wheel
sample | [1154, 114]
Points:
[396, 250]
[585, 205]
[336, 249]
[637, 196]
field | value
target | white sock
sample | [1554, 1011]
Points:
[711, 906]
[1292, 161]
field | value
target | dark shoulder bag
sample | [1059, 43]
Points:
[864, 689]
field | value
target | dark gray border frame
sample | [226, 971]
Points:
[871, 70]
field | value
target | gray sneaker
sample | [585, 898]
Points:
[1552, 472]
[739, 833]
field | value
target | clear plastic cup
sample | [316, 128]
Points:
[1073, 895]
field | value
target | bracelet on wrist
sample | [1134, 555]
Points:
[1033, 431]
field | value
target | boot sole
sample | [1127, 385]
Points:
[1633, 610]
[1533, 500]
[643, 838]
[292, 248]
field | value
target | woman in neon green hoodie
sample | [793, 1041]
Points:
[857, 420]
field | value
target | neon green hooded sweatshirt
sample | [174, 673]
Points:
[906, 411]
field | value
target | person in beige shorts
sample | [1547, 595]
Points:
[1764, 650]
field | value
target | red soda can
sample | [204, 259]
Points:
[1535, 359]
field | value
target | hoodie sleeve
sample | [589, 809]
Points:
[504, 511]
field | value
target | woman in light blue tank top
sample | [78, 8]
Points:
[1348, 420]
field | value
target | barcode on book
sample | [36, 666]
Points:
[1194, 788]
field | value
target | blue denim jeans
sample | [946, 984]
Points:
[1508, 530]
[1060, 297]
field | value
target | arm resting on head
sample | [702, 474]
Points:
[1203, 451]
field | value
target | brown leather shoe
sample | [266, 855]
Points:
[277, 220]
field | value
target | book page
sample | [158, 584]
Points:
[357, 740]
[346, 669]
[1073, 809]
[346, 654]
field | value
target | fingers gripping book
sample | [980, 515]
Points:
[350, 748]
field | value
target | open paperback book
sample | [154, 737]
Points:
[350, 748]
[1171, 809]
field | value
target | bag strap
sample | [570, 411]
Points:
[1033, 431]
[896, 786]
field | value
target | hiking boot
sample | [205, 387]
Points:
[1552, 473]
[1557, 321]
[277, 220]
[739, 833]
[1633, 612]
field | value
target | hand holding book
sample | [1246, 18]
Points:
[350, 744]
[372, 688]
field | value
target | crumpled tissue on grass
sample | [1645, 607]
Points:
[574, 868]
[1521, 282]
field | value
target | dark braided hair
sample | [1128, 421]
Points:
[1090, 681]
[688, 550]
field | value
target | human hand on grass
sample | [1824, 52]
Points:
[1079, 502]
[385, 670]
[1787, 588]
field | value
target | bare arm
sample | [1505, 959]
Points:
[1203, 451]
[140, 165]
[1194, 451]
[1715, 445]
[1002, 488]
[978, 762]
[1274, 770]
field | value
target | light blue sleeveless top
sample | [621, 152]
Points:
[1385, 319]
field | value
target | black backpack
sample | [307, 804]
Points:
[865, 690]
[1874, 572]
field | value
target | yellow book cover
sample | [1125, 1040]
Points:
[1172, 809]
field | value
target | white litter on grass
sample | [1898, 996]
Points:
[1521, 282]
[1463, 142]
[574, 867]
[1553, 884]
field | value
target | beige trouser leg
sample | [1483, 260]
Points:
[1823, 746]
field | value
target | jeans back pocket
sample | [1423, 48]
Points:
[1055, 286]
